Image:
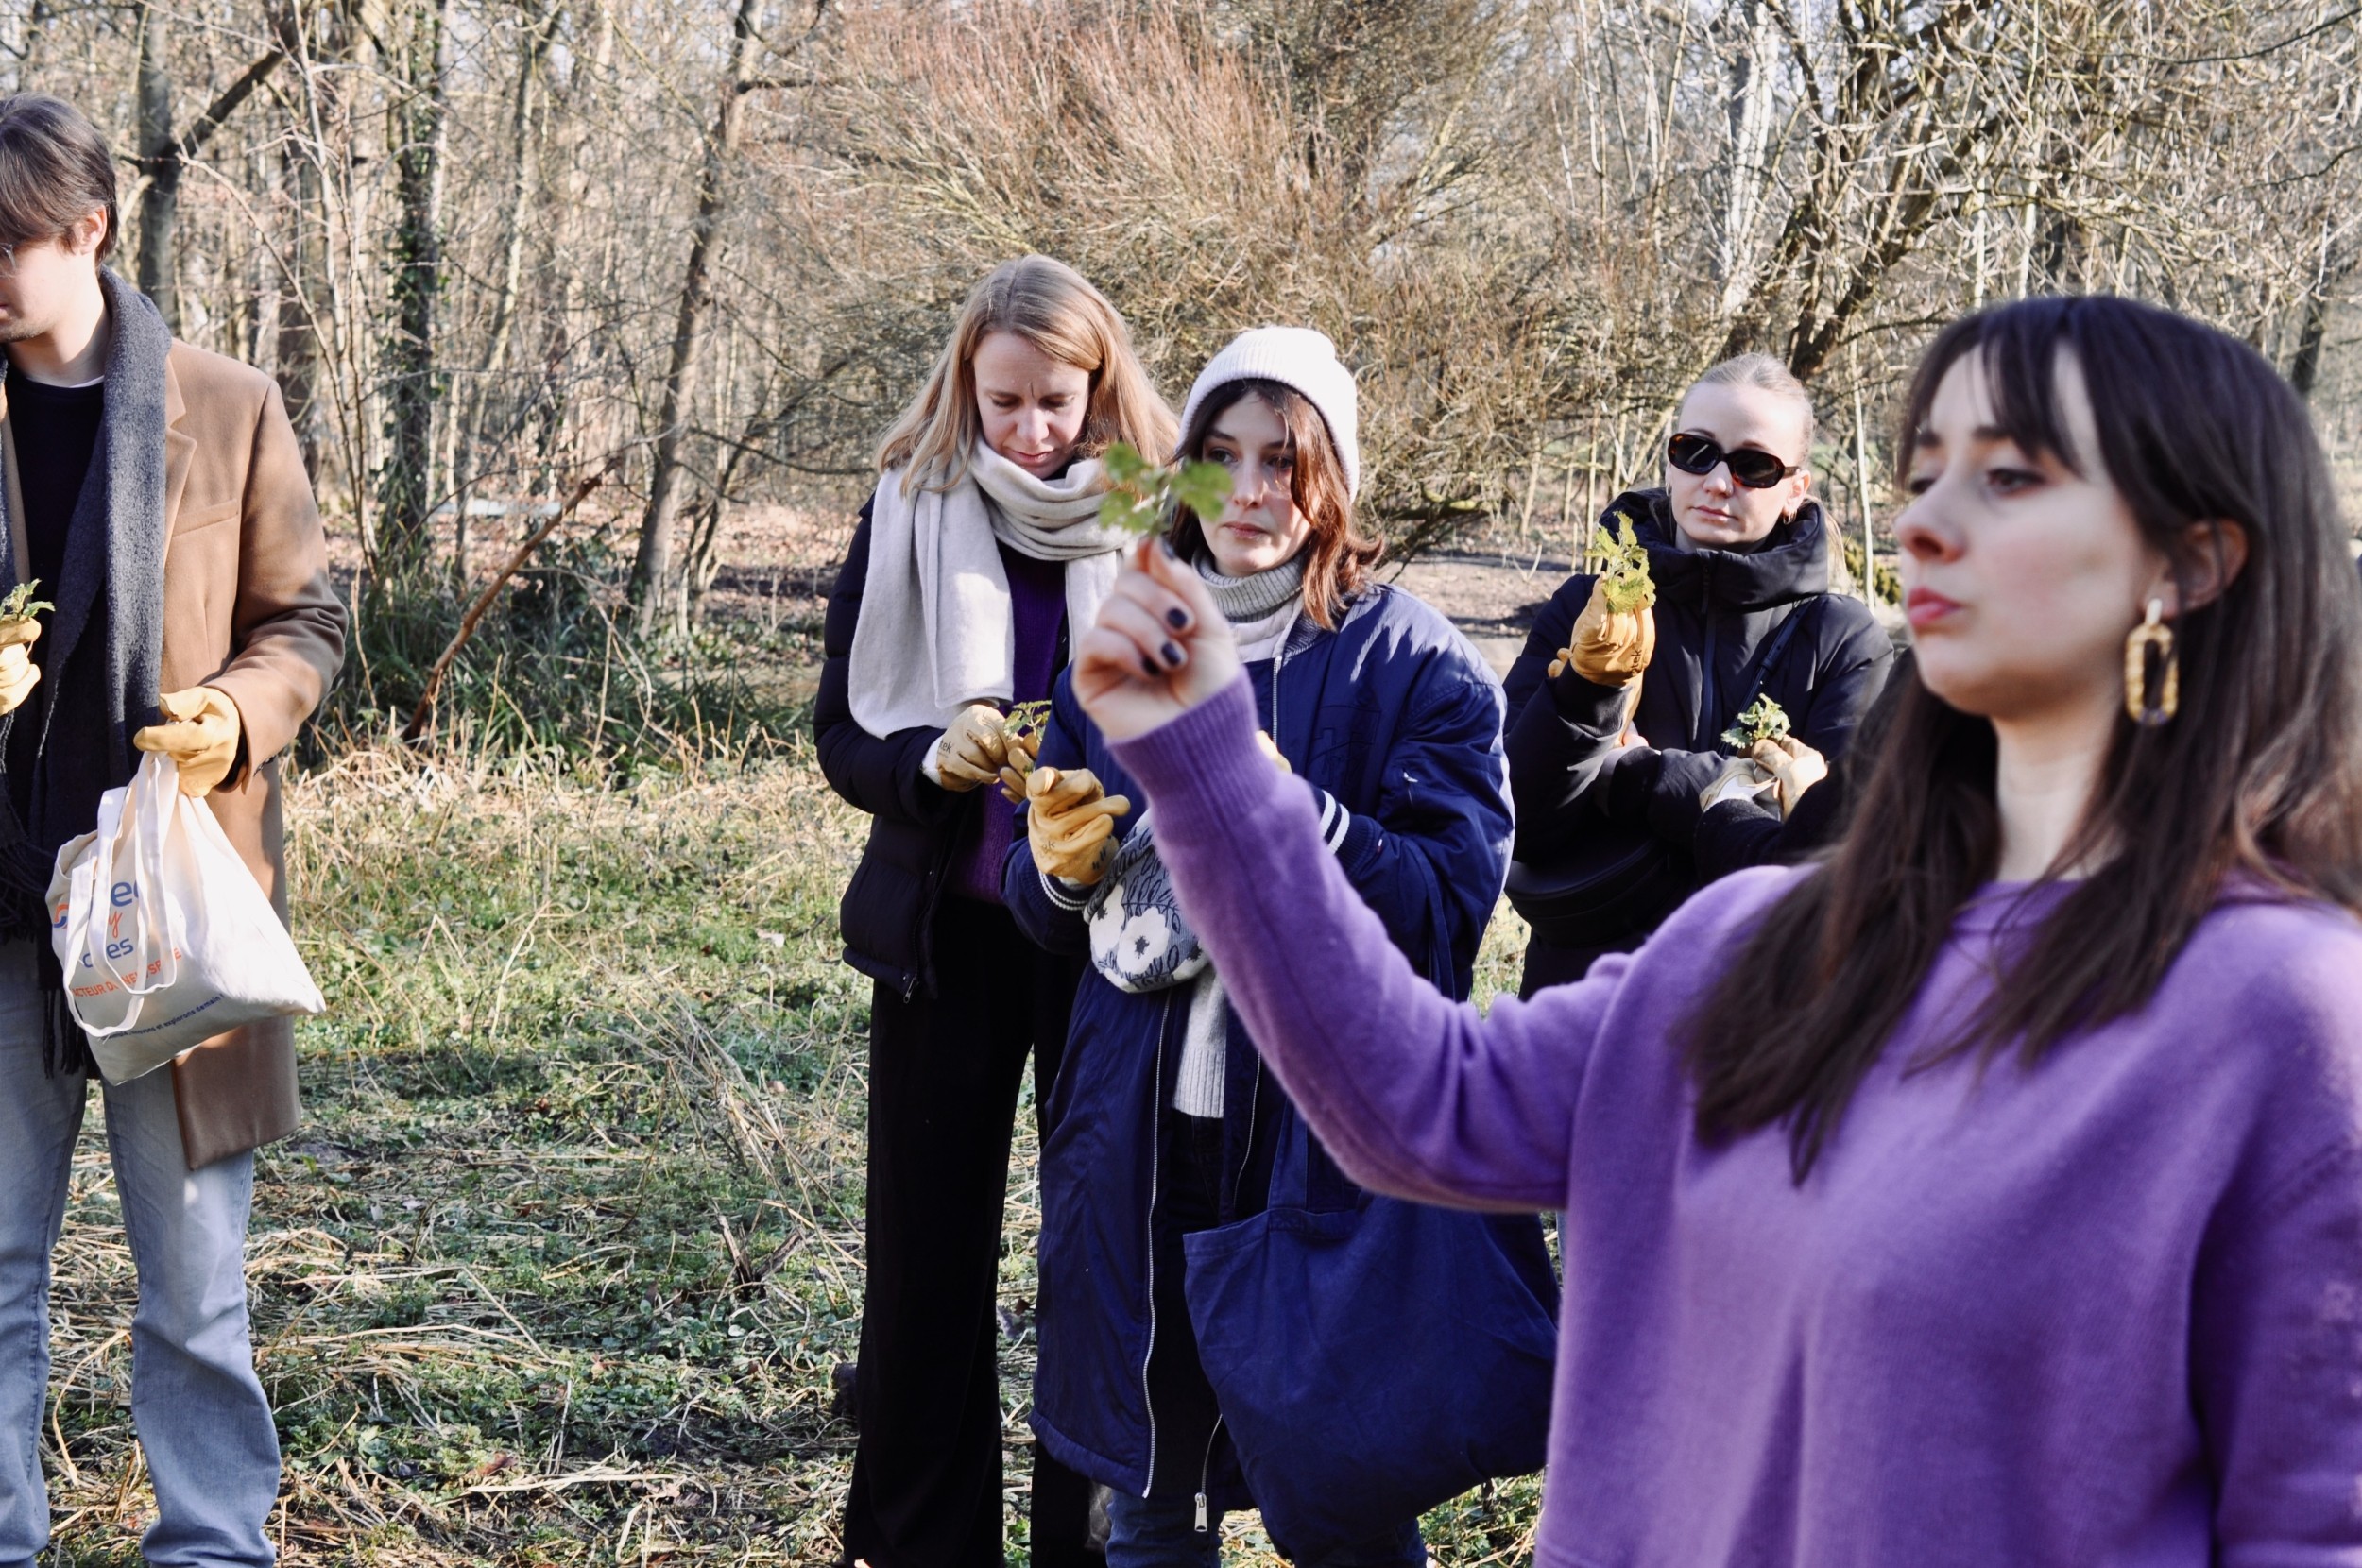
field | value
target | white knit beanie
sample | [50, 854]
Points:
[1296, 357]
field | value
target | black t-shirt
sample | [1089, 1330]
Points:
[55, 429]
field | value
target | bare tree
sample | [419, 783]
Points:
[406, 487]
[652, 570]
[164, 154]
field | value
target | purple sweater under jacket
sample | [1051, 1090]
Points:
[2107, 1311]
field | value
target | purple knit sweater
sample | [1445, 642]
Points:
[2106, 1311]
[1036, 610]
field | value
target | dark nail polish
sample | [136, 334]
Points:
[1176, 618]
[1172, 655]
[1150, 665]
[1166, 545]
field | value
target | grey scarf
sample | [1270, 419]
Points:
[102, 652]
[1251, 598]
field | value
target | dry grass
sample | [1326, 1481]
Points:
[557, 1270]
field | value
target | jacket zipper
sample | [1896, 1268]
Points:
[1155, 1117]
[1710, 689]
[925, 974]
[1206, 1471]
[1254, 1097]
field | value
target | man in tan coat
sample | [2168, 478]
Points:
[157, 495]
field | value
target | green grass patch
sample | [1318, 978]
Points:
[557, 1269]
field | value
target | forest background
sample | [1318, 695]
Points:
[616, 296]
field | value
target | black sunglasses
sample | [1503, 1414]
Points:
[1751, 467]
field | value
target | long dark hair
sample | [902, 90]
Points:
[1338, 557]
[2259, 778]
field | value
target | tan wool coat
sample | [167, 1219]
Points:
[249, 611]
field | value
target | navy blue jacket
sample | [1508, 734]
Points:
[1399, 721]
[1716, 610]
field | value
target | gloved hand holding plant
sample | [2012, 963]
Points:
[1615, 637]
[1022, 731]
[19, 674]
[1069, 823]
[1794, 766]
[971, 750]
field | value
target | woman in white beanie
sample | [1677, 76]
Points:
[977, 561]
[1195, 1355]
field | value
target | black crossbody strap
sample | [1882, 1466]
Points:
[1771, 659]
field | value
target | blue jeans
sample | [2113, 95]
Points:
[1161, 1532]
[198, 1407]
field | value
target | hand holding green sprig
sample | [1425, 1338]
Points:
[1022, 731]
[19, 674]
[1615, 637]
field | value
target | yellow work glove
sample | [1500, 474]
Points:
[1740, 779]
[1069, 823]
[1021, 747]
[1609, 647]
[200, 734]
[19, 674]
[1795, 766]
[971, 751]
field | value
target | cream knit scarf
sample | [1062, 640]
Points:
[935, 630]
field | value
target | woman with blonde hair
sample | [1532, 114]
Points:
[975, 562]
[1624, 727]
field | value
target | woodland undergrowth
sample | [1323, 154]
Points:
[559, 1268]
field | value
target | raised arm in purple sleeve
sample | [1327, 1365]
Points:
[1414, 1094]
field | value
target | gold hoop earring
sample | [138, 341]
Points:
[2152, 639]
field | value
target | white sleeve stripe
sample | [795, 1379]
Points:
[1057, 894]
[1335, 820]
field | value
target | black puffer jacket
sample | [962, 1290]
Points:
[1716, 611]
[888, 912]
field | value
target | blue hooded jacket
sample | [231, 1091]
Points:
[1395, 719]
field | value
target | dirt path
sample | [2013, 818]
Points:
[1490, 597]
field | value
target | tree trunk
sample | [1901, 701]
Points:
[163, 156]
[407, 484]
[652, 570]
[160, 168]
[540, 21]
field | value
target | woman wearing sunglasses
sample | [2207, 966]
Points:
[1617, 720]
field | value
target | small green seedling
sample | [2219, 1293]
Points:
[1141, 495]
[1764, 720]
[1623, 562]
[20, 604]
[1024, 717]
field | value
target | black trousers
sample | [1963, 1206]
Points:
[944, 1074]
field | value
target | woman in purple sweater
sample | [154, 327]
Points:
[1991, 1192]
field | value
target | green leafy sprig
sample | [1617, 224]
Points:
[1764, 720]
[1141, 495]
[1623, 565]
[1024, 716]
[20, 604]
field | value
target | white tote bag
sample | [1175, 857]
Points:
[165, 936]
